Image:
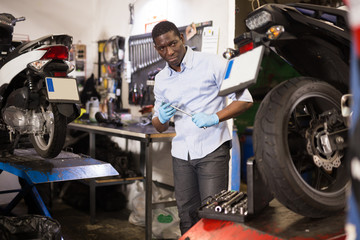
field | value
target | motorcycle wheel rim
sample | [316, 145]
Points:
[44, 141]
[315, 178]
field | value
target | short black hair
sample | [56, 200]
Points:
[164, 27]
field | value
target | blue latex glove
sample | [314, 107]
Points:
[205, 120]
[166, 112]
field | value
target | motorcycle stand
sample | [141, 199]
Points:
[33, 169]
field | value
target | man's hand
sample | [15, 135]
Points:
[166, 112]
[205, 120]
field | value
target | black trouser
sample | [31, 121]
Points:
[198, 179]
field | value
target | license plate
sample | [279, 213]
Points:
[242, 71]
[62, 89]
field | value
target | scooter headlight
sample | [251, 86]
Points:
[258, 20]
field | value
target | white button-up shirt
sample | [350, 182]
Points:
[195, 89]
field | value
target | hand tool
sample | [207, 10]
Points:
[229, 201]
[217, 198]
[150, 47]
[144, 53]
[221, 194]
[180, 110]
[224, 196]
[227, 205]
[243, 209]
[131, 56]
[227, 198]
[186, 113]
[212, 205]
[239, 207]
[135, 55]
[140, 54]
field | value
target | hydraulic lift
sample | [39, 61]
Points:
[28, 165]
[275, 223]
[262, 218]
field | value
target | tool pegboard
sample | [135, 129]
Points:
[146, 62]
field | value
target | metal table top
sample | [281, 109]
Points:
[135, 131]
[27, 164]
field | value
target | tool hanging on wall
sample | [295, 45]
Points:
[190, 31]
[111, 59]
[131, 10]
[142, 53]
[116, 44]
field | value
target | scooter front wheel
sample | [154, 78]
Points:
[288, 130]
[49, 145]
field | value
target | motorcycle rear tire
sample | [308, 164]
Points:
[274, 148]
[50, 145]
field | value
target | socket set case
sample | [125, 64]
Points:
[232, 206]
[238, 206]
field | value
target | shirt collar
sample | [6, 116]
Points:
[187, 61]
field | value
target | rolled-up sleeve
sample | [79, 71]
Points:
[244, 96]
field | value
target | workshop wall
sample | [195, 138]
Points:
[184, 12]
[114, 19]
[89, 21]
[45, 17]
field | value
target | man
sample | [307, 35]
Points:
[200, 150]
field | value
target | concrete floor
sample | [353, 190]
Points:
[70, 208]
[75, 224]
[110, 225]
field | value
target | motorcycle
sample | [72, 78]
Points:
[300, 135]
[37, 99]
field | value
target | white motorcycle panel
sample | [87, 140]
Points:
[18, 64]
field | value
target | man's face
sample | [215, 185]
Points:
[171, 48]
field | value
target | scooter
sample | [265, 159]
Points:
[37, 99]
[300, 135]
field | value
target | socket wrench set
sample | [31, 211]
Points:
[226, 205]
[237, 206]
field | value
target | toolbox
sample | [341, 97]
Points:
[239, 206]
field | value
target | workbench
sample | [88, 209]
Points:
[146, 135]
[28, 165]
